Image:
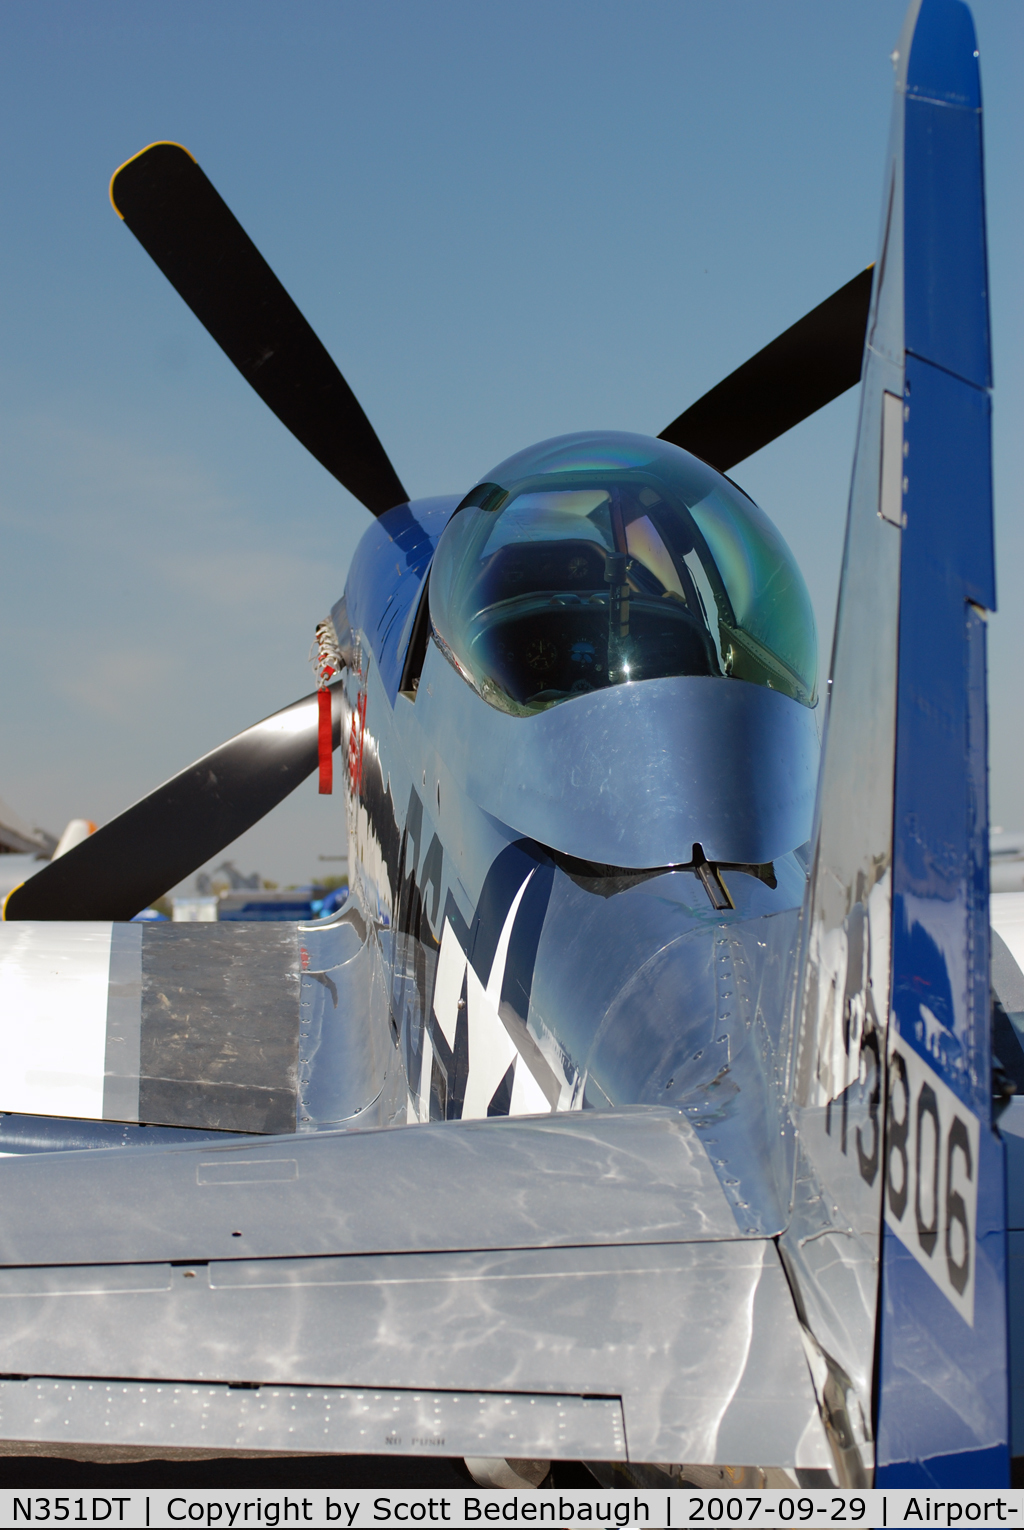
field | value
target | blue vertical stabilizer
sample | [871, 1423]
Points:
[942, 1375]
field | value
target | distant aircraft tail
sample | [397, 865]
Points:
[897, 1249]
[77, 830]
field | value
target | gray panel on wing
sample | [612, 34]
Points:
[601, 1177]
[220, 1026]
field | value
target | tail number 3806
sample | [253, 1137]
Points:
[931, 1175]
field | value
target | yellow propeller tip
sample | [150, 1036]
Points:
[160, 143]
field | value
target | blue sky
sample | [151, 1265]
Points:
[505, 220]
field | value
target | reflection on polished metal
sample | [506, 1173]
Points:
[832, 1245]
[344, 1042]
[722, 763]
[592, 1178]
[699, 1341]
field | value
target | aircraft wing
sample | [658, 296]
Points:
[573, 1285]
[192, 1025]
[570, 1286]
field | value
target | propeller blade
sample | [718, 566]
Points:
[183, 223]
[801, 371]
[137, 856]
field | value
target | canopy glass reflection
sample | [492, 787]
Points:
[604, 559]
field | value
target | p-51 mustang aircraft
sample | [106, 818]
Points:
[688, 1030]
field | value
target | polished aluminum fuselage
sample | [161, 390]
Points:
[536, 937]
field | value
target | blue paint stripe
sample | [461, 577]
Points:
[944, 1384]
[385, 578]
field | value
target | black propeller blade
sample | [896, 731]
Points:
[807, 367]
[206, 255]
[137, 856]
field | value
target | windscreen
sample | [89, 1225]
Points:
[607, 559]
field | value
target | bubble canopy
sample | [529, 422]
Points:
[604, 559]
